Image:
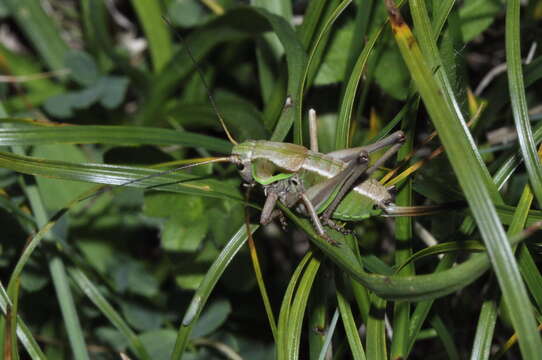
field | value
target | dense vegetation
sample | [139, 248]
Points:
[97, 94]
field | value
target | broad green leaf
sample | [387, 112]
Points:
[82, 67]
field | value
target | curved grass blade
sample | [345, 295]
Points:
[517, 96]
[23, 333]
[84, 283]
[284, 315]
[350, 328]
[449, 247]
[258, 273]
[391, 287]
[207, 285]
[92, 292]
[483, 339]
[297, 310]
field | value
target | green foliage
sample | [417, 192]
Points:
[157, 267]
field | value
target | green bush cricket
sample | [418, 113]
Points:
[323, 187]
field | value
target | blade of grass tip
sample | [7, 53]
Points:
[284, 315]
[517, 97]
[206, 287]
[92, 292]
[329, 335]
[156, 32]
[24, 334]
[471, 175]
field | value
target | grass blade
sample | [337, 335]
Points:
[206, 287]
[517, 96]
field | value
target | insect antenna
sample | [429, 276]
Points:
[205, 85]
[161, 173]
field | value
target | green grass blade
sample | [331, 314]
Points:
[109, 134]
[445, 337]
[298, 308]
[517, 96]
[350, 328]
[149, 14]
[285, 307]
[41, 30]
[92, 292]
[403, 236]
[23, 333]
[483, 339]
[206, 287]
[68, 309]
[261, 285]
[376, 330]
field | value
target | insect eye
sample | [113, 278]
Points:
[240, 166]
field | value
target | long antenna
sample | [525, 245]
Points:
[202, 77]
[161, 173]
